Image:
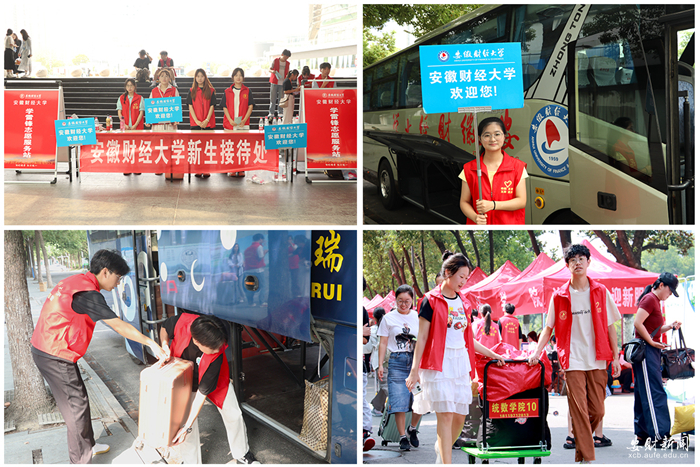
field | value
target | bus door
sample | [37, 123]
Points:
[680, 86]
[622, 160]
[149, 285]
[124, 299]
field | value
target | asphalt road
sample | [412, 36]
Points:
[375, 213]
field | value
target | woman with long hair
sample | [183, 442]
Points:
[306, 78]
[26, 53]
[487, 331]
[651, 417]
[397, 333]
[201, 101]
[9, 55]
[502, 184]
[289, 90]
[444, 361]
[130, 108]
[164, 78]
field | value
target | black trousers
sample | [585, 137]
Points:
[72, 400]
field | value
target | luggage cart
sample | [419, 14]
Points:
[485, 452]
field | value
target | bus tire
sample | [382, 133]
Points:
[564, 217]
[387, 187]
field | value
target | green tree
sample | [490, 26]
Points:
[670, 260]
[377, 46]
[80, 59]
[627, 246]
[421, 19]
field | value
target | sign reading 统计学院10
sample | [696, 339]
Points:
[163, 109]
[285, 136]
[75, 132]
[471, 77]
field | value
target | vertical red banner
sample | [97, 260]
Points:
[331, 118]
[30, 137]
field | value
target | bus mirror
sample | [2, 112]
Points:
[181, 275]
[251, 283]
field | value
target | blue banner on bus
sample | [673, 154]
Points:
[255, 278]
[75, 132]
[334, 276]
[163, 109]
[285, 136]
[471, 77]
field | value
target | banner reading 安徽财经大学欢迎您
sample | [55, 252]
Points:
[464, 77]
[331, 118]
[30, 139]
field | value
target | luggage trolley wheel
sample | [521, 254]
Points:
[384, 442]
[521, 460]
[484, 461]
[472, 459]
[538, 460]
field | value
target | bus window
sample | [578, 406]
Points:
[384, 89]
[366, 90]
[410, 95]
[491, 27]
[616, 115]
[537, 28]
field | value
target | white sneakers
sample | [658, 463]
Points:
[99, 449]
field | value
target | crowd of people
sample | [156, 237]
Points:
[432, 351]
[18, 55]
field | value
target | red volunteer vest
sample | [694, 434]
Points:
[309, 82]
[505, 180]
[487, 340]
[242, 105]
[435, 346]
[562, 322]
[168, 62]
[276, 66]
[250, 256]
[509, 330]
[157, 93]
[182, 339]
[134, 109]
[201, 107]
[60, 331]
[327, 83]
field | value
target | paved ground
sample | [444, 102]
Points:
[102, 199]
[375, 213]
[617, 425]
[111, 376]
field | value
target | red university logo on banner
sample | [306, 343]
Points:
[331, 118]
[183, 152]
[30, 137]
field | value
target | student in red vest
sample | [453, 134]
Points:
[510, 327]
[62, 336]
[502, 183]
[164, 77]
[324, 80]
[237, 104]
[130, 108]
[278, 71]
[166, 62]
[306, 78]
[203, 341]
[201, 101]
[487, 333]
[583, 315]
[443, 361]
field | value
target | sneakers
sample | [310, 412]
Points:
[99, 449]
[249, 458]
[438, 459]
[367, 441]
[404, 445]
[376, 413]
[413, 436]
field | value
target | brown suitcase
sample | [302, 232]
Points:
[164, 401]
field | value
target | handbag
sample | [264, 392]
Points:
[634, 351]
[284, 102]
[678, 362]
[314, 428]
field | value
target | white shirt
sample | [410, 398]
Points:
[581, 345]
[456, 323]
[398, 328]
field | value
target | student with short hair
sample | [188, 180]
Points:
[324, 80]
[510, 327]
[583, 314]
[203, 340]
[62, 336]
[278, 70]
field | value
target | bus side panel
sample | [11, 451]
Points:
[272, 294]
[334, 276]
[124, 298]
[637, 203]
[344, 399]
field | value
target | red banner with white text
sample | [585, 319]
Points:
[30, 137]
[331, 118]
[178, 152]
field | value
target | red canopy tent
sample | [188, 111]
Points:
[365, 300]
[372, 304]
[476, 276]
[483, 291]
[532, 293]
[387, 303]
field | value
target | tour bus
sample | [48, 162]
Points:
[606, 130]
[292, 315]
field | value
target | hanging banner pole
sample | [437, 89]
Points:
[478, 156]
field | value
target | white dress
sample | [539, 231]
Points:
[449, 390]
